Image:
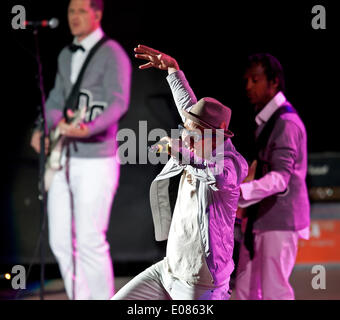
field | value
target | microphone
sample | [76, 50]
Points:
[159, 147]
[52, 23]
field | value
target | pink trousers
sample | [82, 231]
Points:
[266, 277]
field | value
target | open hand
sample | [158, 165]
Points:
[156, 59]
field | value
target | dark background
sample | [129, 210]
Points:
[210, 41]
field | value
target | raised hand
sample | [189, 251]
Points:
[156, 59]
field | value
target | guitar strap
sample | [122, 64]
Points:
[73, 98]
[261, 143]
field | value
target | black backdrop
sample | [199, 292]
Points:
[210, 40]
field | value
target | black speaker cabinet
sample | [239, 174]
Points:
[323, 177]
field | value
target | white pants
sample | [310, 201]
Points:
[267, 275]
[156, 283]
[79, 206]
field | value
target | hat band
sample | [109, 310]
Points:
[198, 120]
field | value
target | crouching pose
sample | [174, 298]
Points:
[200, 230]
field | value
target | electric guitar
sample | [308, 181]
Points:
[53, 161]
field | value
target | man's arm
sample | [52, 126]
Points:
[116, 82]
[284, 150]
[55, 103]
[256, 190]
[224, 171]
[221, 172]
[54, 110]
[183, 95]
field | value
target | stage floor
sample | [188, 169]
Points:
[301, 280]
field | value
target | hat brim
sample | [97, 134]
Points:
[189, 115]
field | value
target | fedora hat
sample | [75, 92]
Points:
[210, 113]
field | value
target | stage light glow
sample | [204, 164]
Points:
[7, 276]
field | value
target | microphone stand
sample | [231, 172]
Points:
[42, 161]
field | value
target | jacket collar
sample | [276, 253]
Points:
[264, 115]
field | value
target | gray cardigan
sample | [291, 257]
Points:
[105, 89]
[286, 153]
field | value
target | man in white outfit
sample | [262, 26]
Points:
[200, 230]
[81, 193]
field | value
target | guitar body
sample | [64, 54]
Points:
[53, 161]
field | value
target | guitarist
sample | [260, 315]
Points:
[276, 200]
[81, 192]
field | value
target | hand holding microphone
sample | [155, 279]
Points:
[174, 148]
[162, 146]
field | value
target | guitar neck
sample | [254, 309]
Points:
[56, 136]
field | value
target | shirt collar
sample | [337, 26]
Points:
[263, 116]
[91, 39]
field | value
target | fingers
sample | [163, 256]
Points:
[63, 127]
[35, 146]
[146, 66]
[143, 56]
[165, 139]
[68, 132]
[240, 213]
[35, 142]
[156, 58]
[146, 57]
[252, 168]
[253, 164]
[244, 225]
[145, 49]
[73, 132]
[47, 145]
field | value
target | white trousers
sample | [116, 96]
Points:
[266, 277]
[79, 205]
[156, 283]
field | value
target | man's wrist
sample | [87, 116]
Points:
[173, 68]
